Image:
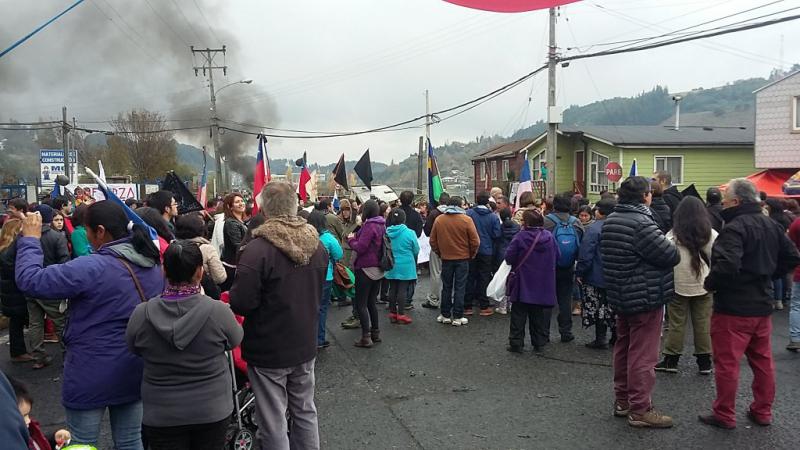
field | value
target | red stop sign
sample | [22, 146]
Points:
[613, 171]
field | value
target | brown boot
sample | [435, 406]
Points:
[376, 335]
[364, 342]
[650, 419]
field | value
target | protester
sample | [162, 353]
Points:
[435, 262]
[79, 239]
[749, 251]
[532, 256]
[794, 307]
[662, 214]
[192, 228]
[350, 221]
[672, 196]
[99, 372]
[277, 290]
[368, 245]
[331, 243]
[413, 218]
[233, 231]
[568, 232]
[481, 266]
[714, 208]
[17, 208]
[586, 215]
[38, 439]
[595, 310]
[495, 193]
[782, 286]
[455, 240]
[164, 203]
[63, 206]
[132, 203]
[526, 201]
[405, 249]
[637, 266]
[502, 203]
[509, 229]
[13, 429]
[15, 306]
[163, 228]
[182, 336]
[333, 223]
[55, 251]
[693, 235]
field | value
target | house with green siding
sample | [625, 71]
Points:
[703, 156]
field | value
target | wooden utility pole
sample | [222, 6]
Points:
[421, 166]
[208, 67]
[552, 135]
[64, 143]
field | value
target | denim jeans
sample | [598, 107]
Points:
[480, 274]
[794, 314]
[324, 303]
[454, 280]
[126, 425]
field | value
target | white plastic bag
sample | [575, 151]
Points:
[497, 287]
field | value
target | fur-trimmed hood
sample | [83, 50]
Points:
[292, 235]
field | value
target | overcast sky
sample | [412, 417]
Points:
[357, 64]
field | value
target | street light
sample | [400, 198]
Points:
[247, 81]
[215, 121]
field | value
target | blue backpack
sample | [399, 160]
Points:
[567, 240]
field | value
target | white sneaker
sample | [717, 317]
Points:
[501, 310]
[459, 322]
[443, 319]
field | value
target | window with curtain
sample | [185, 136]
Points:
[536, 166]
[493, 171]
[482, 171]
[671, 164]
[505, 170]
[598, 180]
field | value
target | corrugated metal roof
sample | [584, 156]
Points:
[507, 149]
[656, 135]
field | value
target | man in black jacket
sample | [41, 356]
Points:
[672, 196]
[637, 266]
[714, 207]
[414, 222]
[750, 251]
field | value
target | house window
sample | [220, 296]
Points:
[482, 171]
[672, 165]
[536, 166]
[505, 170]
[796, 114]
[493, 172]
[598, 180]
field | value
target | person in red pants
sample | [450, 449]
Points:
[750, 251]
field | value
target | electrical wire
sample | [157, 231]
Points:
[180, 10]
[171, 28]
[210, 29]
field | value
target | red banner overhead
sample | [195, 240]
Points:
[510, 6]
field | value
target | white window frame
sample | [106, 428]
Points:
[482, 171]
[536, 169]
[664, 157]
[796, 114]
[506, 167]
[595, 169]
[493, 169]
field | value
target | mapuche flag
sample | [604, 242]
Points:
[363, 169]
[510, 6]
[340, 174]
[305, 177]
[261, 173]
[435, 188]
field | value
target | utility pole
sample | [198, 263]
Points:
[552, 135]
[208, 67]
[64, 143]
[422, 144]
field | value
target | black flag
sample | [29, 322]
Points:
[340, 174]
[302, 161]
[363, 169]
[186, 201]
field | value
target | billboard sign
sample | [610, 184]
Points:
[51, 165]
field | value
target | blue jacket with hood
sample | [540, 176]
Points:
[488, 226]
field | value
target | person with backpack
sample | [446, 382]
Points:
[368, 244]
[480, 267]
[568, 232]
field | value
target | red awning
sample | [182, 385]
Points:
[771, 181]
[510, 6]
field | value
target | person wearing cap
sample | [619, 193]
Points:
[56, 251]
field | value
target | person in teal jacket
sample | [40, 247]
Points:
[405, 249]
[335, 253]
[80, 242]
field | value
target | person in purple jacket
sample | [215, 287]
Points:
[368, 245]
[535, 289]
[103, 288]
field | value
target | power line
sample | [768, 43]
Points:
[210, 29]
[171, 28]
[199, 39]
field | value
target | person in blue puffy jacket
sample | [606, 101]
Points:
[480, 267]
[405, 249]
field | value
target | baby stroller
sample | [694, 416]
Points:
[241, 433]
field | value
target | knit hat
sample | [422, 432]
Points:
[46, 212]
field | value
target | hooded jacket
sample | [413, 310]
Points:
[212, 264]
[672, 197]
[405, 249]
[662, 215]
[537, 274]
[509, 229]
[715, 214]
[54, 246]
[751, 250]
[277, 289]
[98, 368]
[488, 228]
[334, 249]
[182, 343]
[590, 264]
[637, 260]
[368, 243]
[454, 237]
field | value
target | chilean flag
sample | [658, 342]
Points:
[261, 173]
[525, 183]
[510, 6]
[305, 177]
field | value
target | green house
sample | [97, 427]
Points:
[703, 156]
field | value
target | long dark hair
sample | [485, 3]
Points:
[112, 217]
[152, 217]
[370, 210]
[691, 226]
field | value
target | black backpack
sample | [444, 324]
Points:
[387, 257]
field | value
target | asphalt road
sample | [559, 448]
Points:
[433, 386]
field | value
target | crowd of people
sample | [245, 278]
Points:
[147, 340]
